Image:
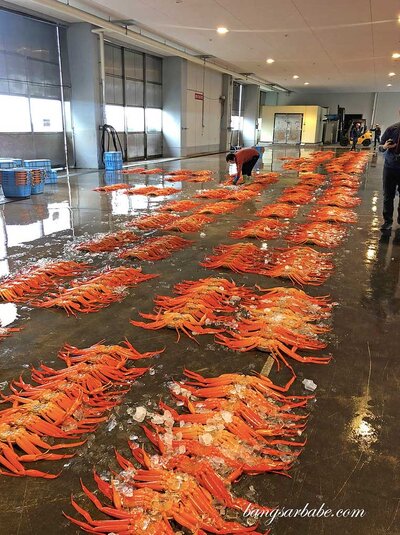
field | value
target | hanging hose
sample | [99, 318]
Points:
[108, 135]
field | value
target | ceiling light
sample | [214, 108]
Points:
[270, 60]
[306, 83]
[395, 55]
[295, 77]
[389, 85]
[392, 74]
[222, 30]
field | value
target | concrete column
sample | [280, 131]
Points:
[251, 110]
[174, 106]
[83, 52]
[227, 92]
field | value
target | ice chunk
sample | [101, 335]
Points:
[227, 416]
[206, 439]
[309, 384]
[140, 414]
[112, 423]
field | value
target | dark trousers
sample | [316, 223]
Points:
[247, 167]
[354, 141]
[377, 140]
[391, 183]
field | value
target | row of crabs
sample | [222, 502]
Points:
[189, 481]
[218, 428]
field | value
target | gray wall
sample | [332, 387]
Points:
[190, 125]
[387, 109]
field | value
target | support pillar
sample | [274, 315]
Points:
[251, 110]
[174, 106]
[84, 60]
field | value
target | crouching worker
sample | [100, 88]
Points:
[245, 160]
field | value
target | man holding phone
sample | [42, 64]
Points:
[390, 145]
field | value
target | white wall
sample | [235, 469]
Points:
[203, 126]
[311, 130]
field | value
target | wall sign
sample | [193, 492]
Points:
[199, 96]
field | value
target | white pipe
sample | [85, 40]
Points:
[63, 117]
[102, 77]
[374, 109]
[136, 38]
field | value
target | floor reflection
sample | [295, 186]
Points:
[34, 222]
[383, 294]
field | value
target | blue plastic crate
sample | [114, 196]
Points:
[11, 188]
[7, 164]
[112, 160]
[51, 177]
[37, 164]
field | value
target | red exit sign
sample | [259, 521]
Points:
[199, 96]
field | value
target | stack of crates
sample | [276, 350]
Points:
[41, 169]
[5, 163]
[39, 164]
[112, 160]
[16, 182]
[38, 178]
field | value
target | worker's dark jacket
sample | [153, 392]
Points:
[392, 156]
[356, 133]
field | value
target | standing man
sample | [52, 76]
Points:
[355, 132]
[245, 160]
[390, 145]
[378, 132]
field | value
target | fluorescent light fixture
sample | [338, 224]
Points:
[306, 83]
[295, 77]
[395, 55]
[392, 74]
[270, 60]
[222, 30]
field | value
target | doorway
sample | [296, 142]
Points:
[288, 128]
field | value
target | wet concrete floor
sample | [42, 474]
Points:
[351, 457]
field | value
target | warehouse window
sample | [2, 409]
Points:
[46, 115]
[133, 86]
[135, 119]
[14, 113]
[115, 117]
[153, 120]
[236, 122]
